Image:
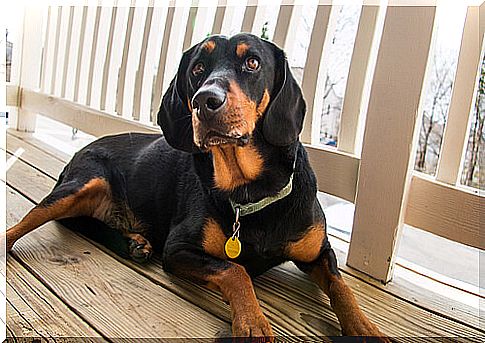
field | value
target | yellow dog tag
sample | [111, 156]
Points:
[233, 247]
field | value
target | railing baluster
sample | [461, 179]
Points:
[107, 60]
[249, 16]
[92, 61]
[46, 49]
[358, 82]
[56, 50]
[100, 56]
[67, 52]
[141, 64]
[457, 127]
[390, 138]
[79, 63]
[219, 17]
[120, 88]
[312, 83]
[170, 52]
[189, 30]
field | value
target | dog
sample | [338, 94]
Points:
[225, 194]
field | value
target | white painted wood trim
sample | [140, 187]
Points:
[353, 104]
[87, 119]
[283, 23]
[389, 139]
[336, 172]
[312, 83]
[107, 60]
[457, 128]
[67, 51]
[445, 210]
[30, 64]
[92, 59]
[249, 16]
[219, 17]
[141, 64]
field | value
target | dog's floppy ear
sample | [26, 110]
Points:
[283, 120]
[175, 116]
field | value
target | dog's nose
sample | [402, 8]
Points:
[209, 100]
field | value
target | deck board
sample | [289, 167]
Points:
[111, 297]
[292, 304]
[33, 311]
[47, 158]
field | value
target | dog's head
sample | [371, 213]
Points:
[225, 89]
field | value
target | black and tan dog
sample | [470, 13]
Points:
[226, 194]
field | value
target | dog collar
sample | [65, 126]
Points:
[250, 208]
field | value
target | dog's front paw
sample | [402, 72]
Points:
[140, 248]
[252, 325]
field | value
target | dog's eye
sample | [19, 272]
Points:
[252, 63]
[198, 69]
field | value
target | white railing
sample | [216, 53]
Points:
[104, 69]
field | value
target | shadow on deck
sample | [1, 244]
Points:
[60, 284]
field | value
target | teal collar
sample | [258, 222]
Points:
[250, 208]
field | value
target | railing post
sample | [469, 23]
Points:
[389, 139]
[457, 125]
[249, 16]
[30, 64]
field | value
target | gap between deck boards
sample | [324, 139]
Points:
[273, 276]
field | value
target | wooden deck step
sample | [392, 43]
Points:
[293, 305]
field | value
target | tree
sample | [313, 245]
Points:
[434, 114]
[476, 142]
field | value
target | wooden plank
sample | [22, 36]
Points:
[56, 50]
[74, 53]
[46, 49]
[134, 54]
[107, 60]
[110, 294]
[312, 75]
[171, 51]
[13, 95]
[445, 211]
[141, 64]
[190, 25]
[327, 164]
[389, 139]
[249, 16]
[100, 56]
[89, 120]
[80, 49]
[219, 17]
[32, 310]
[35, 157]
[457, 126]
[287, 26]
[151, 65]
[284, 295]
[358, 79]
[67, 52]
[92, 57]
[30, 63]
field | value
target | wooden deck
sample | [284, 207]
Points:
[60, 284]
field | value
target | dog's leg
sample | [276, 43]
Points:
[232, 279]
[69, 199]
[324, 272]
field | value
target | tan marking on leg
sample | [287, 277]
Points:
[209, 46]
[263, 104]
[235, 166]
[241, 49]
[308, 247]
[214, 239]
[237, 288]
[92, 198]
[353, 321]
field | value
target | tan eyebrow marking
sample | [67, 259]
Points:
[241, 49]
[209, 46]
